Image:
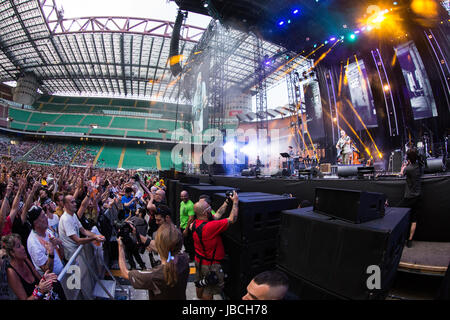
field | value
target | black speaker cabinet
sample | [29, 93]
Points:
[350, 205]
[195, 191]
[336, 256]
[244, 261]
[259, 216]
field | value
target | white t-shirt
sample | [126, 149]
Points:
[38, 253]
[69, 225]
[54, 222]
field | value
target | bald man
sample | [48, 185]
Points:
[209, 250]
[187, 216]
[268, 285]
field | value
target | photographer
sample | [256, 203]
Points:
[209, 250]
[169, 280]
[132, 242]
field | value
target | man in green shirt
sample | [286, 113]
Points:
[187, 216]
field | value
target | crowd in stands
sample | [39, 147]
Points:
[14, 150]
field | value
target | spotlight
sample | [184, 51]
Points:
[386, 88]
[229, 147]
[205, 4]
[295, 11]
[280, 23]
[332, 39]
[352, 37]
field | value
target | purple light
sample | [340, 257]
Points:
[332, 39]
[357, 32]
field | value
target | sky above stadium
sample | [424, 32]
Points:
[154, 9]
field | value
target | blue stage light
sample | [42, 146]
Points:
[281, 23]
[296, 11]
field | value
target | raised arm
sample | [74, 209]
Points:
[5, 204]
[234, 211]
[29, 200]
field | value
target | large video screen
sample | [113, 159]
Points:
[313, 106]
[419, 88]
[361, 95]
[200, 113]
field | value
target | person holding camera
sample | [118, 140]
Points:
[131, 241]
[168, 281]
[209, 250]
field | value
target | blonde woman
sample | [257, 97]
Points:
[167, 281]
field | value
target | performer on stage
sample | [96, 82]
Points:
[344, 148]
[291, 160]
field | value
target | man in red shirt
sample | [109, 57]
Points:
[208, 245]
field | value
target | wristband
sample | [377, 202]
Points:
[37, 293]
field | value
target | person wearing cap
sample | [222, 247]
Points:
[44, 247]
[129, 202]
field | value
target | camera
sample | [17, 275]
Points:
[229, 193]
[123, 229]
[210, 280]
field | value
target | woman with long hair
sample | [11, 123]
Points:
[24, 280]
[167, 281]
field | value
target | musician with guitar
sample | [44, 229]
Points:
[344, 148]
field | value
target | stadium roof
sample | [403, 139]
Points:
[103, 56]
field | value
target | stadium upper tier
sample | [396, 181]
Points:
[106, 155]
[99, 117]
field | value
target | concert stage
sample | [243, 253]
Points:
[433, 221]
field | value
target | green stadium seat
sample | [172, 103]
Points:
[135, 158]
[108, 132]
[145, 134]
[75, 100]
[98, 101]
[110, 156]
[102, 121]
[18, 126]
[50, 107]
[69, 119]
[129, 123]
[53, 128]
[123, 102]
[153, 124]
[19, 115]
[38, 117]
[77, 108]
[76, 129]
[32, 128]
[57, 99]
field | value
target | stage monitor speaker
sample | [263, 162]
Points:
[345, 260]
[259, 216]
[175, 68]
[435, 165]
[349, 205]
[347, 170]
